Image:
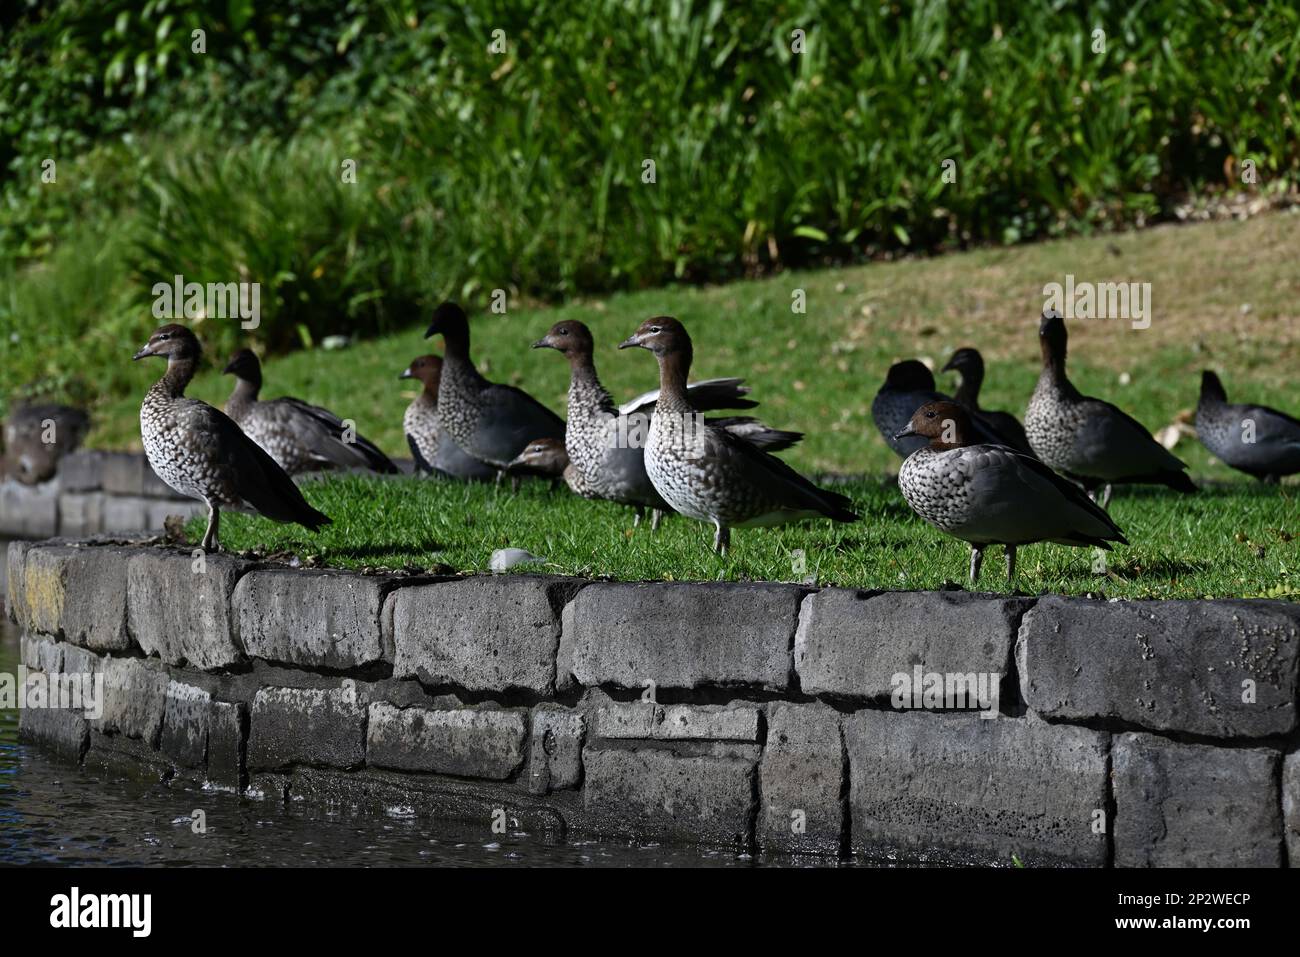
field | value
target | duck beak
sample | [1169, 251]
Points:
[951, 365]
[141, 354]
[406, 374]
[543, 343]
[630, 341]
[229, 369]
[435, 327]
[905, 431]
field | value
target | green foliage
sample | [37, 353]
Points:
[524, 169]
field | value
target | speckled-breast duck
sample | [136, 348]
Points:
[1087, 439]
[300, 437]
[435, 452]
[201, 453]
[992, 494]
[1255, 439]
[491, 421]
[705, 472]
[605, 442]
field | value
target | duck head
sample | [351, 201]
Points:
[428, 369]
[662, 335]
[966, 361]
[1211, 388]
[450, 322]
[1052, 337]
[244, 365]
[945, 424]
[910, 375]
[172, 341]
[541, 457]
[570, 337]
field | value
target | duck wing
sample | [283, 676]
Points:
[705, 395]
[324, 435]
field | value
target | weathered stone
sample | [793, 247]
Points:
[658, 794]
[1195, 805]
[40, 654]
[179, 608]
[81, 514]
[959, 787]
[680, 635]
[29, 511]
[126, 513]
[677, 722]
[129, 474]
[63, 732]
[307, 726]
[801, 779]
[1291, 806]
[317, 619]
[1215, 668]
[135, 698]
[185, 725]
[44, 582]
[81, 471]
[851, 643]
[227, 731]
[15, 582]
[487, 633]
[555, 749]
[78, 593]
[468, 743]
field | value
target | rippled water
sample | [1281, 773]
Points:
[55, 813]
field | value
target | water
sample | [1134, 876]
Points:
[52, 812]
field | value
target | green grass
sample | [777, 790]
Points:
[1241, 540]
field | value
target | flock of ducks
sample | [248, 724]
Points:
[975, 474]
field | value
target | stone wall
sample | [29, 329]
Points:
[755, 716]
[93, 493]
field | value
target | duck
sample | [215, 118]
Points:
[491, 421]
[545, 458]
[605, 442]
[1255, 439]
[201, 453]
[1089, 440]
[435, 452]
[300, 437]
[908, 386]
[704, 471]
[992, 494]
[969, 365]
[36, 436]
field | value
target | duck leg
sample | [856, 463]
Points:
[210, 543]
[721, 539]
[1105, 496]
[640, 514]
[976, 559]
[656, 516]
[1011, 564]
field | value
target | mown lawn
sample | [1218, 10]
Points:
[1232, 540]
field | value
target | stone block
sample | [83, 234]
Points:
[470, 743]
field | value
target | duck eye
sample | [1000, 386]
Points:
[655, 329]
[930, 414]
